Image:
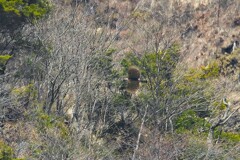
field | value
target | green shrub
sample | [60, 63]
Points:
[110, 51]
[15, 13]
[225, 136]
[212, 70]
[154, 66]
[190, 121]
[36, 9]
[229, 136]
[46, 122]
[24, 90]
[6, 152]
[219, 106]
[4, 58]
[26, 94]
[3, 61]
[141, 15]
[102, 64]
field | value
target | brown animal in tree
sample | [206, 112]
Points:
[133, 80]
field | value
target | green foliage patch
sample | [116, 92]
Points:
[189, 120]
[229, 136]
[24, 90]
[102, 63]
[28, 9]
[141, 15]
[4, 58]
[6, 152]
[212, 70]
[3, 61]
[225, 136]
[16, 13]
[47, 122]
[154, 66]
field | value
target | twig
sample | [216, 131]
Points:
[139, 134]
